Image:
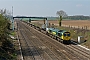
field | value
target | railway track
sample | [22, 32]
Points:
[60, 56]
[40, 45]
[24, 46]
[53, 50]
[64, 54]
[31, 51]
[79, 50]
[82, 52]
[44, 48]
[47, 52]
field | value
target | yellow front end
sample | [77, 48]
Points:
[66, 37]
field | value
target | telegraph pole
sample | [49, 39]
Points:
[12, 20]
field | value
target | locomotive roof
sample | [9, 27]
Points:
[50, 28]
[57, 30]
[62, 31]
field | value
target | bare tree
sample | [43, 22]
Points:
[5, 13]
[61, 14]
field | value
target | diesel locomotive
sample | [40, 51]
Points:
[64, 35]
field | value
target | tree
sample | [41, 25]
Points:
[4, 25]
[6, 46]
[61, 14]
[5, 13]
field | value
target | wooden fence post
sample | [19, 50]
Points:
[86, 27]
[82, 27]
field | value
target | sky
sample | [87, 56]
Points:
[46, 7]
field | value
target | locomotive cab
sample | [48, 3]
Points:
[65, 36]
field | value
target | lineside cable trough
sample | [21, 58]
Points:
[81, 39]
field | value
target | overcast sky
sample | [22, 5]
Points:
[46, 7]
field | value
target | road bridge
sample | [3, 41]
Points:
[32, 17]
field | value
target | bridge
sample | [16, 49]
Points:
[32, 17]
[28, 17]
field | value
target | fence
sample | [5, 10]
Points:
[70, 26]
[78, 27]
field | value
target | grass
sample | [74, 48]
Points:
[12, 33]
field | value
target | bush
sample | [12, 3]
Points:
[6, 45]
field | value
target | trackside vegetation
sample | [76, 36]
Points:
[6, 47]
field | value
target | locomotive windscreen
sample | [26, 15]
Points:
[67, 34]
[60, 30]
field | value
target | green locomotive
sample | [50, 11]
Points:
[62, 34]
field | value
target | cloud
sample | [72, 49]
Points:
[79, 5]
